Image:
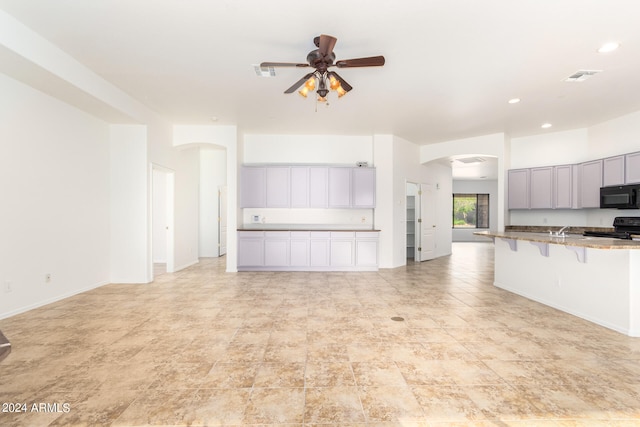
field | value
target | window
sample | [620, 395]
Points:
[470, 211]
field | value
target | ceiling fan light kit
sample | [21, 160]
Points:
[321, 59]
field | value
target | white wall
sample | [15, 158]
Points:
[489, 187]
[313, 149]
[187, 196]
[129, 208]
[54, 180]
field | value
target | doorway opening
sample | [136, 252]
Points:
[420, 222]
[162, 221]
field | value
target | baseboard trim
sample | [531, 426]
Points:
[48, 301]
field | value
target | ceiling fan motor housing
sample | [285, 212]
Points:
[317, 60]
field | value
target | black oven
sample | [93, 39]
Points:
[620, 196]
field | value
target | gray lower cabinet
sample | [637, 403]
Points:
[251, 248]
[307, 250]
[343, 249]
[319, 249]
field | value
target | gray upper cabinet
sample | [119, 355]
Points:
[253, 187]
[613, 171]
[541, 188]
[632, 168]
[590, 181]
[364, 187]
[563, 187]
[339, 187]
[278, 191]
[299, 186]
[518, 182]
[318, 187]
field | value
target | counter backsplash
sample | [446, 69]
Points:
[545, 229]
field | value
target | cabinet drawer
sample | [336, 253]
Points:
[276, 234]
[367, 234]
[250, 234]
[343, 235]
[320, 234]
[300, 234]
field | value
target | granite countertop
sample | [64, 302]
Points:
[304, 227]
[568, 240]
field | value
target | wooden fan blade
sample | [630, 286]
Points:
[346, 86]
[326, 44]
[299, 83]
[282, 64]
[372, 61]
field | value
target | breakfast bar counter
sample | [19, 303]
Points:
[595, 278]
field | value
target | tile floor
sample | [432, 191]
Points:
[202, 348]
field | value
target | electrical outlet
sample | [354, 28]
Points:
[8, 287]
[47, 277]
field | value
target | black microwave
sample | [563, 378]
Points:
[620, 196]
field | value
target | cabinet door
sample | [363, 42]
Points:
[613, 171]
[253, 190]
[250, 251]
[339, 187]
[276, 251]
[342, 249]
[278, 187]
[299, 249]
[367, 249]
[363, 187]
[518, 181]
[632, 168]
[319, 249]
[563, 183]
[299, 187]
[541, 188]
[318, 187]
[590, 175]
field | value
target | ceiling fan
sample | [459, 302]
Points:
[321, 59]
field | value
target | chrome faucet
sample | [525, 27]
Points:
[560, 233]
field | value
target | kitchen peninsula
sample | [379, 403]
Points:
[595, 278]
[300, 247]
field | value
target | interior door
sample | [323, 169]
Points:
[222, 221]
[427, 223]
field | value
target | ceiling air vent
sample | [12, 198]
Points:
[264, 71]
[469, 160]
[581, 75]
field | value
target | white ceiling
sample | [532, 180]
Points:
[451, 66]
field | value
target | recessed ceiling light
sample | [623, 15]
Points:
[608, 47]
[546, 126]
[514, 100]
[214, 119]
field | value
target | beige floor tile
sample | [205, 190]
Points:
[333, 405]
[203, 347]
